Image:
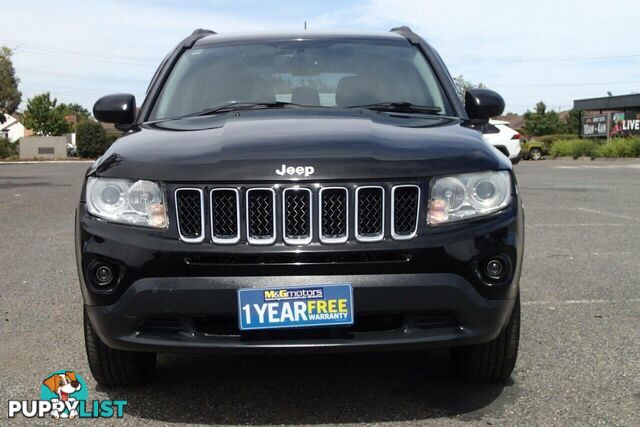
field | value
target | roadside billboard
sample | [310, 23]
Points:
[595, 126]
[625, 124]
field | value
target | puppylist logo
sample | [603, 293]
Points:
[64, 394]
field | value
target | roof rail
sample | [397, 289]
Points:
[407, 33]
[202, 31]
[196, 35]
[401, 28]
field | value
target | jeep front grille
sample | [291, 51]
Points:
[190, 214]
[334, 214]
[291, 215]
[296, 215]
[225, 215]
[261, 216]
[404, 211]
[369, 213]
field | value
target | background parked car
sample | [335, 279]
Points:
[72, 150]
[503, 138]
[533, 150]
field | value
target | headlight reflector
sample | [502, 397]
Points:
[143, 194]
[125, 201]
[450, 190]
[459, 197]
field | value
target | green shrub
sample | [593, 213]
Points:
[8, 150]
[91, 139]
[620, 147]
[111, 138]
[574, 148]
[561, 148]
[549, 139]
[607, 150]
[584, 147]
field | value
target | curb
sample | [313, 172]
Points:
[35, 162]
[595, 159]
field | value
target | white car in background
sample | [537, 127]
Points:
[501, 136]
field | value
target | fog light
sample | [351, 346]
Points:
[494, 268]
[103, 275]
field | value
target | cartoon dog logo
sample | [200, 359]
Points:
[64, 384]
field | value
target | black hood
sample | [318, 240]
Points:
[338, 144]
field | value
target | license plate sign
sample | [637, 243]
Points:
[295, 307]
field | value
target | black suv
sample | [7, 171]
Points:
[300, 192]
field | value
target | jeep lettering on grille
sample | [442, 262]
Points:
[295, 170]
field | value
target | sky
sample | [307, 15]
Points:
[529, 51]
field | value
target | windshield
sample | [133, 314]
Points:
[314, 73]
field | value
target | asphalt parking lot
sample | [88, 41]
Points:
[580, 345]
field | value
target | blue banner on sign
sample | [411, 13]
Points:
[317, 305]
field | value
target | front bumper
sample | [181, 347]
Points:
[391, 312]
[170, 296]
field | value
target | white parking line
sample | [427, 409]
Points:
[600, 224]
[583, 301]
[550, 207]
[608, 214]
[579, 254]
[631, 166]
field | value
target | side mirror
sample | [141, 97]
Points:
[483, 104]
[119, 108]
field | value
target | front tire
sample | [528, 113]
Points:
[116, 368]
[535, 154]
[492, 361]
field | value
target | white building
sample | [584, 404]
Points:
[12, 129]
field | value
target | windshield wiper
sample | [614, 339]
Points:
[403, 107]
[231, 106]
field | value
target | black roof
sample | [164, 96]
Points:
[608, 103]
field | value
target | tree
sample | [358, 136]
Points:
[77, 110]
[44, 116]
[542, 122]
[572, 122]
[8, 149]
[463, 85]
[91, 139]
[10, 96]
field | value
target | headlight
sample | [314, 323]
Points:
[128, 202]
[470, 195]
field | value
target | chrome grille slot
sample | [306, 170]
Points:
[261, 216]
[334, 218]
[190, 214]
[225, 215]
[404, 211]
[296, 215]
[369, 213]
